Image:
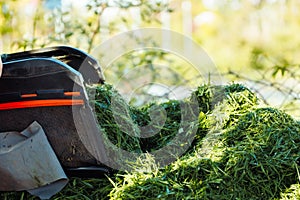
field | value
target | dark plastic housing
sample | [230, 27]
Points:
[50, 75]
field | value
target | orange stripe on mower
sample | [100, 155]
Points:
[76, 94]
[28, 95]
[40, 103]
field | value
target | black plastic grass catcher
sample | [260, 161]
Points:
[47, 86]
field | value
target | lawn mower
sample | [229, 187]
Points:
[44, 90]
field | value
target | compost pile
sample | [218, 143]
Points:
[242, 150]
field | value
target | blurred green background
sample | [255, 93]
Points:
[255, 42]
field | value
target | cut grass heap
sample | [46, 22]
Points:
[241, 151]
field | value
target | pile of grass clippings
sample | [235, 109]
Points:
[241, 150]
[247, 153]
